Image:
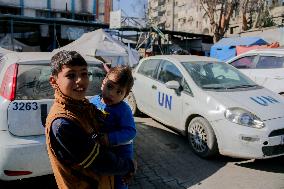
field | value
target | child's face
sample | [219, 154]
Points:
[73, 81]
[112, 93]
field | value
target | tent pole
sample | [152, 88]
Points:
[12, 33]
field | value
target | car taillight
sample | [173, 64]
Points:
[17, 173]
[8, 87]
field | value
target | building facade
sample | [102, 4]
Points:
[178, 15]
[82, 10]
[49, 24]
[189, 16]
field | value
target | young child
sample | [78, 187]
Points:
[77, 160]
[118, 122]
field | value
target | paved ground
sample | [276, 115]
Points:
[166, 162]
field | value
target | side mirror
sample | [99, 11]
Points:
[173, 85]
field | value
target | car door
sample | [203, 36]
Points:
[269, 72]
[168, 102]
[245, 64]
[143, 90]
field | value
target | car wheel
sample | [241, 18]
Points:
[132, 103]
[202, 138]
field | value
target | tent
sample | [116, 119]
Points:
[100, 43]
[10, 43]
[226, 47]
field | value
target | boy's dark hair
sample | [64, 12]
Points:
[70, 58]
[123, 76]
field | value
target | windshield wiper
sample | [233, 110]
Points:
[241, 86]
[213, 88]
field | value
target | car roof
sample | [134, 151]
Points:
[43, 56]
[184, 58]
[268, 51]
[30, 56]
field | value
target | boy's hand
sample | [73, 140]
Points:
[129, 176]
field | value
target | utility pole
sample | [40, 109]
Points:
[173, 15]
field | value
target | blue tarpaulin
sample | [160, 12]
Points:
[226, 47]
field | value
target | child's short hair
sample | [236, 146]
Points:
[123, 76]
[70, 58]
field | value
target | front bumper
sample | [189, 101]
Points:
[23, 154]
[244, 142]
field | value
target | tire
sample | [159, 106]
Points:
[202, 138]
[132, 103]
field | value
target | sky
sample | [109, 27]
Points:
[132, 8]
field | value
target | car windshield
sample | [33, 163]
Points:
[217, 76]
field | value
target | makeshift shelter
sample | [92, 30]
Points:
[242, 49]
[100, 43]
[226, 47]
[8, 42]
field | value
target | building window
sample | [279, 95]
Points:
[45, 14]
[10, 10]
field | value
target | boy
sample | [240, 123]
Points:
[77, 160]
[118, 123]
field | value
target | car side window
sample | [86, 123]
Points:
[244, 62]
[33, 82]
[266, 62]
[168, 72]
[148, 67]
[185, 87]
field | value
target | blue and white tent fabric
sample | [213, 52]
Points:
[226, 47]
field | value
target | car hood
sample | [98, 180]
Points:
[261, 102]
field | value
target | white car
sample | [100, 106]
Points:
[217, 107]
[25, 99]
[264, 66]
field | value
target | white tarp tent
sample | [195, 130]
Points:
[100, 43]
[10, 43]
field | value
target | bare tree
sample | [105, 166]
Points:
[244, 9]
[219, 13]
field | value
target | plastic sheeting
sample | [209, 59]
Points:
[226, 47]
[243, 49]
[100, 43]
[12, 44]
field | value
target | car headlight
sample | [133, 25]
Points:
[243, 117]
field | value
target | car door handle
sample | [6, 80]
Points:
[154, 87]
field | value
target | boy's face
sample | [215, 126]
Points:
[73, 81]
[112, 93]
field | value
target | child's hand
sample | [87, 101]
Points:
[129, 176]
